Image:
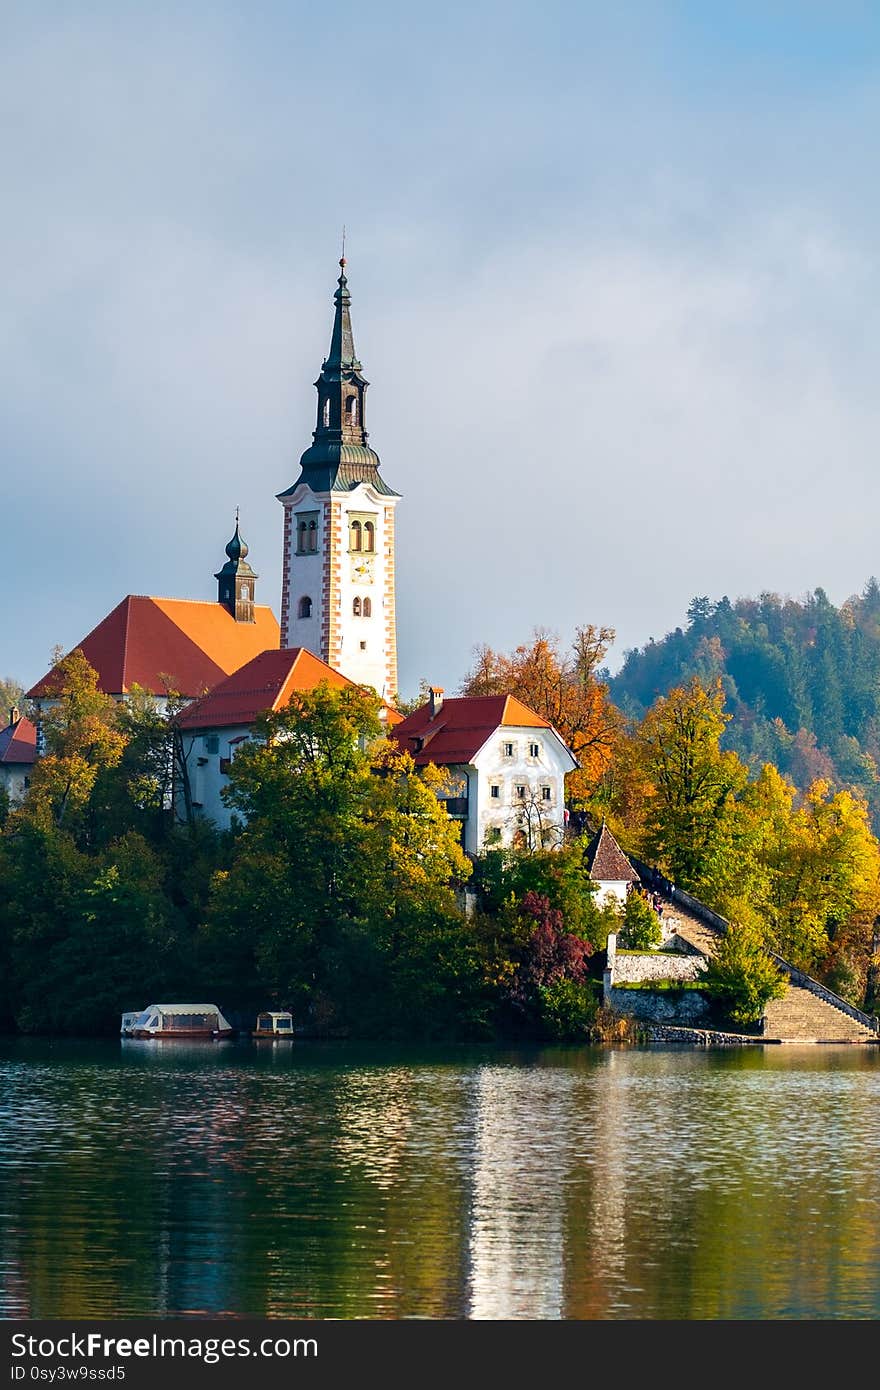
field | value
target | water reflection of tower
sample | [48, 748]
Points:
[522, 1155]
[595, 1267]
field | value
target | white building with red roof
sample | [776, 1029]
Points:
[609, 868]
[18, 751]
[506, 767]
[214, 728]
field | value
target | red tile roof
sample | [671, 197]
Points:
[18, 742]
[194, 644]
[461, 726]
[606, 860]
[266, 682]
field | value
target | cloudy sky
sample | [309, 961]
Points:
[615, 284]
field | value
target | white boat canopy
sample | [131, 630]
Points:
[169, 1016]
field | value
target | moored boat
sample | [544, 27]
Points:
[204, 1021]
[274, 1024]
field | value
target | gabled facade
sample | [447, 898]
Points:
[338, 587]
[609, 868]
[18, 751]
[214, 728]
[506, 767]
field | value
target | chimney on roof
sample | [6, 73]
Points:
[14, 714]
[435, 699]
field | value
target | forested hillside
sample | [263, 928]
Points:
[801, 679]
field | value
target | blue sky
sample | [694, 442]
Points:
[615, 285]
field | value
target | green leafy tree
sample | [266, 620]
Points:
[640, 929]
[345, 869]
[741, 978]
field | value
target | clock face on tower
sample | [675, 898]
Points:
[362, 569]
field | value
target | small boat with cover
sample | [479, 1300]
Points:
[203, 1021]
[274, 1024]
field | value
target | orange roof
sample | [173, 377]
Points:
[461, 726]
[18, 742]
[265, 683]
[192, 643]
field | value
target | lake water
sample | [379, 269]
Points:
[145, 1179]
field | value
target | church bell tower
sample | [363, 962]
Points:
[337, 594]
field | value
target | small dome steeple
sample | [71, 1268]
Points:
[236, 579]
[237, 548]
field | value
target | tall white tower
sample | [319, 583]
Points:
[337, 596]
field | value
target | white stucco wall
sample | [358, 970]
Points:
[507, 812]
[336, 585]
[14, 777]
[608, 890]
[205, 778]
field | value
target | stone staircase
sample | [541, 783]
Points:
[799, 1016]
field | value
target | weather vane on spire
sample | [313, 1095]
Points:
[342, 257]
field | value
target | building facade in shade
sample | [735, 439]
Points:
[337, 597]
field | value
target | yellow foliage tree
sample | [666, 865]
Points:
[81, 731]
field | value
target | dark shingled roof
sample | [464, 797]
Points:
[606, 860]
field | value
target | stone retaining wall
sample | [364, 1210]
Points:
[656, 1006]
[635, 967]
[698, 1037]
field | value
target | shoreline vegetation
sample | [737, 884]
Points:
[339, 891]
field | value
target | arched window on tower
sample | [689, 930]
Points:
[369, 536]
[327, 412]
[356, 537]
[356, 608]
[301, 532]
[351, 409]
[305, 607]
[368, 608]
[313, 536]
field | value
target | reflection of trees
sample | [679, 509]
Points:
[319, 1182]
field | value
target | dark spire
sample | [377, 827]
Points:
[340, 457]
[342, 356]
[235, 581]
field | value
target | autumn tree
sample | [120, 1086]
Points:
[80, 727]
[693, 783]
[564, 687]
